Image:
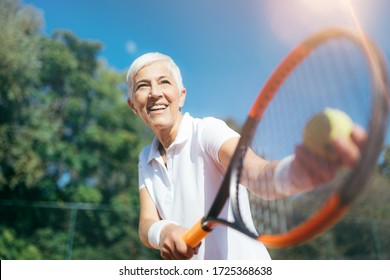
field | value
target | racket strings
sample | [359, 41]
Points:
[332, 76]
[358, 87]
[263, 194]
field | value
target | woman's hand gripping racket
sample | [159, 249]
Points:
[336, 69]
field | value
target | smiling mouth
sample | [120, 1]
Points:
[157, 107]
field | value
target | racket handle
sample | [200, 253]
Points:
[195, 235]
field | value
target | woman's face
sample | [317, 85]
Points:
[156, 97]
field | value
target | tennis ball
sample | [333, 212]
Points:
[325, 127]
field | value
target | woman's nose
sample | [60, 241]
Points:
[155, 91]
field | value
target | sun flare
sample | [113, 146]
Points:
[293, 20]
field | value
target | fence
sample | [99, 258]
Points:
[94, 231]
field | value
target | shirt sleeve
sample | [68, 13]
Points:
[213, 134]
[141, 180]
[142, 160]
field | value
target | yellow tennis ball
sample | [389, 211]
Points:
[323, 128]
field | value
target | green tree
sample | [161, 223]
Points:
[68, 138]
[19, 68]
[384, 167]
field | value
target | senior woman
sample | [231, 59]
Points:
[181, 171]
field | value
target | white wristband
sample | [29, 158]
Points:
[282, 180]
[155, 232]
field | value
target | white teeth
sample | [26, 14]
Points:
[158, 107]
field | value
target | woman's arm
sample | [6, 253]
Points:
[304, 172]
[148, 216]
[171, 244]
[257, 170]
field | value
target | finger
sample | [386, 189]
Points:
[359, 136]
[166, 255]
[179, 256]
[349, 152]
[196, 249]
[168, 251]
[183, 251]
[177, 252]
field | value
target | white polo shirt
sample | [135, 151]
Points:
[184, 190]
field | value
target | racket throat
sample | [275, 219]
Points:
[207, 226]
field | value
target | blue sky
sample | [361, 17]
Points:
[226, 49]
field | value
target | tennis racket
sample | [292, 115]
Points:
[336, 68]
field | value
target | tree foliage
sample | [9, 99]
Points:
[67, 136]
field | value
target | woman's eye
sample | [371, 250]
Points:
[140, 86]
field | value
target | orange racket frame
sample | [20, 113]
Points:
[339, 202]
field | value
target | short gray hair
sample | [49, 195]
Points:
[148, 59]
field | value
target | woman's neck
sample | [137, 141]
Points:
[166, 136]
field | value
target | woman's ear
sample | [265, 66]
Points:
[131, 105]
[182, 98]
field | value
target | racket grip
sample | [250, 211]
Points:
[195, 234]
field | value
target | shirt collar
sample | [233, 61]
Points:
[181, 137]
